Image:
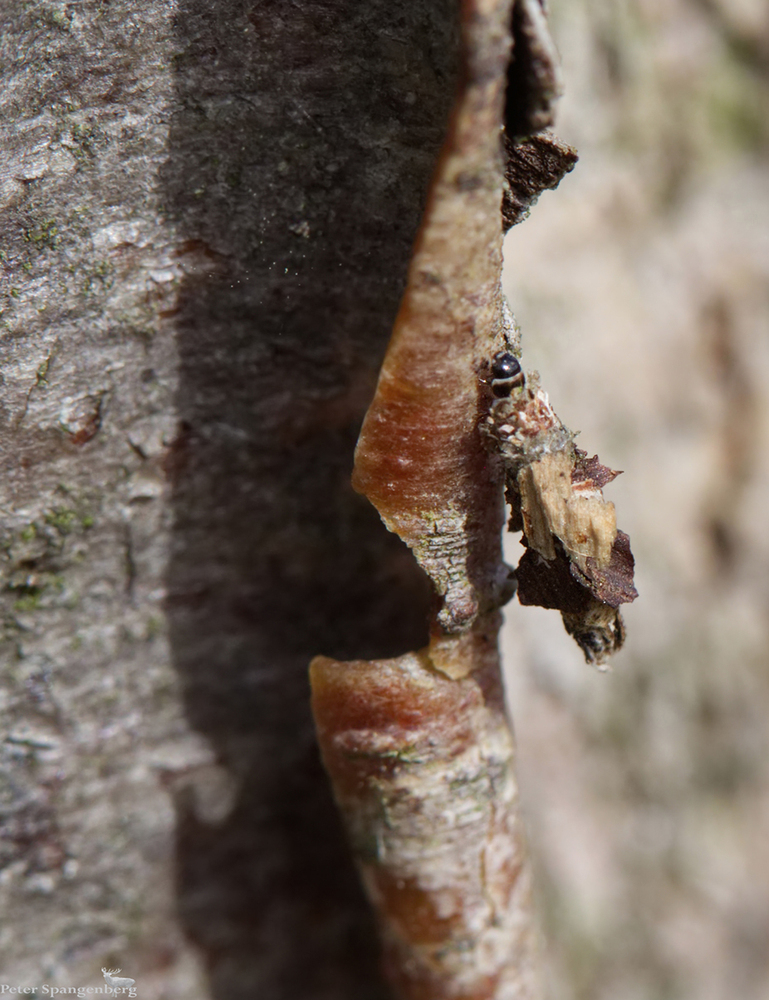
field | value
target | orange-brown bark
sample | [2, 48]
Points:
[422, 768]
[420, 459]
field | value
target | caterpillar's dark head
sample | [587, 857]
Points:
[506, 374]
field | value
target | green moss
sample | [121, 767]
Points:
[85, 139]
[63, 519]
[43, 236]
[27, 604]
[29, 599]
[99, 278]
[42, 373]
[154, 626]
[29, 596]
[28, 533]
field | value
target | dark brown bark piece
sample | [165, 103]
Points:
[560, 585]
[533, 165]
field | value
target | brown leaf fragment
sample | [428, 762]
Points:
[534, 76]
[595, 625]
[550, 583]
[589, 607]
[590, 472]
[533, 165]
[612, 584]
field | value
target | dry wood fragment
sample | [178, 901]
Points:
[576, 560]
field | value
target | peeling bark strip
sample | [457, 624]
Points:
[534, 79]
[419, 459]
[418, 748]
[422, 768]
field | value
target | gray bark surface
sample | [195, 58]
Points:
[206, 224]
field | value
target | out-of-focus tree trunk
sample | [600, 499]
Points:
[641, 290]
[207, 219]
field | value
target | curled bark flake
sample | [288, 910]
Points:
[422, 768]
[535, 158]
[420, 459]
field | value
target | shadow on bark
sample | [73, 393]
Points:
[301, 149]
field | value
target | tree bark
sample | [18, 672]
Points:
[207, 221]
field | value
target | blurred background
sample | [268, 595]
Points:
[642, 289]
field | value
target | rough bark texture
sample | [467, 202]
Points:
[208, 213]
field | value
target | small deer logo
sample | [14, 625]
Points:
[112, 980]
